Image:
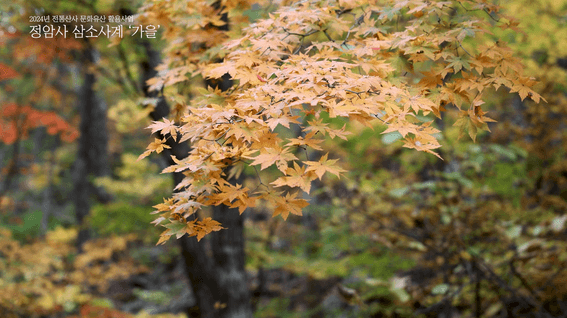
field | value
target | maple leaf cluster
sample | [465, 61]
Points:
[313, 61]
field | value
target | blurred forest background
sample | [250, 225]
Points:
[481, 233]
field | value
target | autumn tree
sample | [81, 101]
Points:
[219, 283]
[33, 99]
[311, 66]
[307, 66]
[320, 61]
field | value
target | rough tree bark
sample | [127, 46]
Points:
[221, 278]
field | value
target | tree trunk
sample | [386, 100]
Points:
[229, 258]
[92, 155]
[221, 279]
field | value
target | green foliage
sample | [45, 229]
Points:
[153, 296]
[122, 218]
[334, 251]
[503, 180]
[101, 302]
[380, 266]
[27, 228]
[468, 212]
[501, 168]
[277, 307]
[138, 181]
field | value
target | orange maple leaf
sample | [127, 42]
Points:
[296, 177]
[157, 145]
[308, 141]
[244, 202]
[324, 165]
[205, 227]
[228, 193]
[289, 204]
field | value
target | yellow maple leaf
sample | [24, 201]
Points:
[166, 127]
[296, 177]
[269, 156]
[157, 145]
[289, 204]
[324, 165]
